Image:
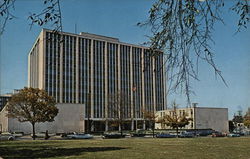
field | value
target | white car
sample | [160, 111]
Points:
[79, 136]
[6, 136]
[18, 134]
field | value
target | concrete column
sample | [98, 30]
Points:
[61, 70]
[106, 80]
[106, 125]
[120, 128]
[164, 81]
[92, 78]
[131, 84]
[144, 125]
[57, 68]
[132, 125]
[70, 70]
[119, 68]
[52, 66]
[77, 70]
[29, 70]
[43, 62]
[142, 73]
[154, 90]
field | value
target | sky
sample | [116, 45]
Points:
[117, 18]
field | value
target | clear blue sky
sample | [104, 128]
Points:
[118, 19]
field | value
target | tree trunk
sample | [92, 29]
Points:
[34, 132]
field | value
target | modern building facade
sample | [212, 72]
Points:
[87, 68]
[202, 118]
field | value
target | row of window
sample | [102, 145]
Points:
[84, 57]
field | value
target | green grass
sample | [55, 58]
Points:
[196, 148]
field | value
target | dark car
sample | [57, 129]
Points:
[204, 132]
[187, 135]
[113, 136]
[165, 135]
[218, 134]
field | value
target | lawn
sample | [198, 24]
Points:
[135, 148]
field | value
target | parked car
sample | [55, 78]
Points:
[165, 135]
[42, 135]
[205, 133]
[233, 135]
[218, 134]
[18, 134]
[79, 136]
[112, 136]
[138, 133]
[187, 135]
[6, 136]
[240, 133]
[39, 135]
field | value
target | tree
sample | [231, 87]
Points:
[238, 118]
[32, 105]
[183, 30]
[151, 117]
[118, 109]
[246, 119]
[231, 126]
[50, 14]
[174, 120]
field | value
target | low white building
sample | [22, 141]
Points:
[202, 118]
[69, 118]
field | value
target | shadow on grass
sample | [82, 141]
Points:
[38, 152]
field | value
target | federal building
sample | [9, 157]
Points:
[82, 71]
[85, 69]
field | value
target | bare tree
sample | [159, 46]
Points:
[6, 8]
[183, 30]
[50, 14]
[182, 10]
[118, 110]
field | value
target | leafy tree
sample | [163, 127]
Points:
[183, 29]
[231, 126]
[119, 109]
[151, 117]
[32, 105]
[246, 119]
[174, 120]
[238, 118]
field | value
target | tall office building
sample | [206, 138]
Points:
[87, 68]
